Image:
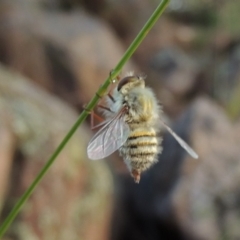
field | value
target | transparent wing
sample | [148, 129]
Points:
[109, 138]
[180, 141]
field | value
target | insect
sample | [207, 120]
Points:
[132, 124]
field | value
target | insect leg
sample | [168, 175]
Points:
[111, 97]
[105, 108]
[94, 115]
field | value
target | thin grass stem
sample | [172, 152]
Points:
[90, 106]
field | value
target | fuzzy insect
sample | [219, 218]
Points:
[132, 124]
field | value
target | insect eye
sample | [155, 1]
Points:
[123, 82]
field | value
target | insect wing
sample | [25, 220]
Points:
[109, 138]
[181, 141]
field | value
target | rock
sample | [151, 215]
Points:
[73, 201]
[176, 70]
[183, 198]
[126, 17]
[69, 54]
[175, 76]
[194, 12]
[7, 146]
[206, 198]
[227, 74]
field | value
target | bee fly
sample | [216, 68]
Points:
[132, 124]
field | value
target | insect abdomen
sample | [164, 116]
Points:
[141, 149]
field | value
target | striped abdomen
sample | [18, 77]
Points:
[141, 149]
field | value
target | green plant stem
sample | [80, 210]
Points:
[102, 90]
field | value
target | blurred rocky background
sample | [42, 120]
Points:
[54, 54]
